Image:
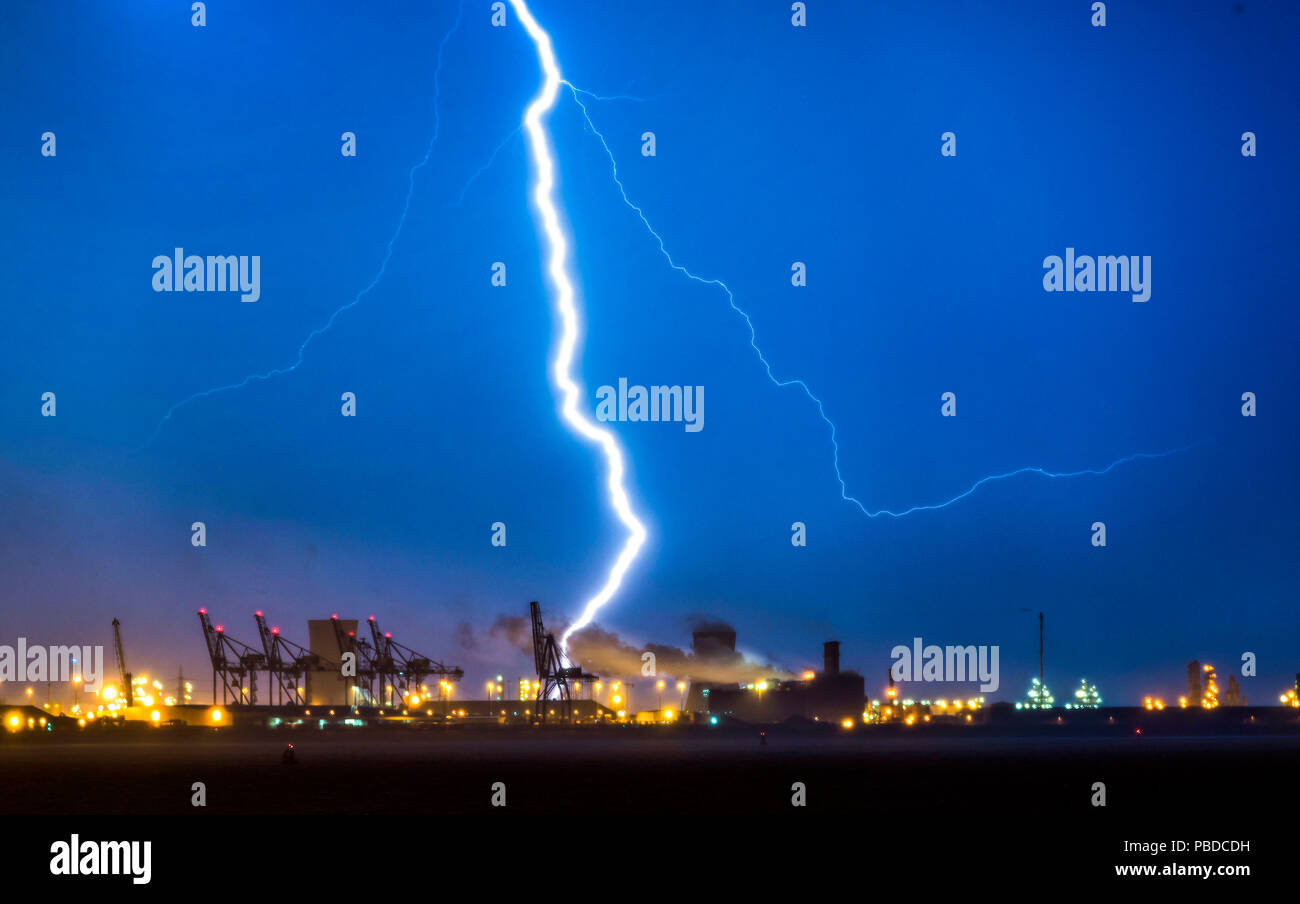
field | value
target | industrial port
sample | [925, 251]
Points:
[353, 675]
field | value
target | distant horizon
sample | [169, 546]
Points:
[466, 689]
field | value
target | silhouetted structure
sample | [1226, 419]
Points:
[288, 663]
[402, 670]
[828, 695]
[356, 689]
[553, 675]
[233, 662]
[1232, 696]
[122, 674]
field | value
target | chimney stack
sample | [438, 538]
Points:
[831, 652]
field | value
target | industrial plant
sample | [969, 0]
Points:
[351, 676]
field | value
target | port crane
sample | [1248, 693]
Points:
[233, 661]
[123, 675]
[401, 671]
[553, 672]
[287, 663]
[364, 659]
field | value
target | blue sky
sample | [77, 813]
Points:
[774, 144]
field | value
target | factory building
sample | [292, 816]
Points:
[830, 695]
[327, 688]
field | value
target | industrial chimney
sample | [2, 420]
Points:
[831, 653]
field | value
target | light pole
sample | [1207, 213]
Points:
[1041, 685]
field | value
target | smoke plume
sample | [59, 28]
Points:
[604, 652]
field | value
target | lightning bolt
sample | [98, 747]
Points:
[561, 367]
[383, 267]
[821, 408]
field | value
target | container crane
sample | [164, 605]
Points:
[553, 674]
[402, 669]
[287, 662]
[232, 662]
[364, 658]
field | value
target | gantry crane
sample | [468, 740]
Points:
[232, 662]
[553, 674]
[122, 674]
[287, 662]
[401, 671]
[363, 658]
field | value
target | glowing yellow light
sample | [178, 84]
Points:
[216, 715]
[847, 723]
[155, 716]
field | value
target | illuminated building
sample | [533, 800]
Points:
[830, 695]
[1038, 697]
[1085, 696]
[1210, 696]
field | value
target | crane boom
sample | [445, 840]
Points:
[122, 674]
[554, 672]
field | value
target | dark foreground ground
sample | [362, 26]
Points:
[615, 771]
[971, 795]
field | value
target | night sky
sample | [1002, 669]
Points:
[774, 144]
